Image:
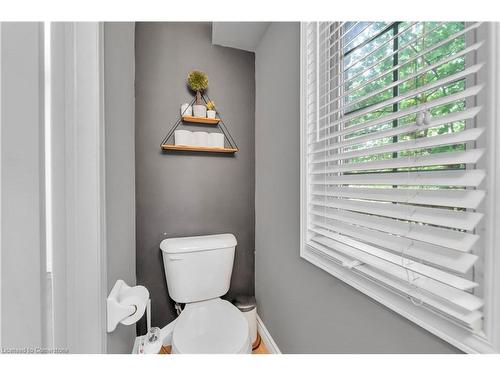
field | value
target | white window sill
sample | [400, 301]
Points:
[439, 326]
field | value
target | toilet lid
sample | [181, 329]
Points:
[213, 326]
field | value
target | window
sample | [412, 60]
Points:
[394, 177]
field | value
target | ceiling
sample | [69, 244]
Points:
[241, 35]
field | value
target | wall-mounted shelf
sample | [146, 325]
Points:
[218, 122]
[201, 120]
[199, 148]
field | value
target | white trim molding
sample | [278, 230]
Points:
[491, 96]
[87, 258]
[266, 337]
[0, 185]
[487, 341]
[79, 236]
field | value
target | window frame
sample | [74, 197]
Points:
[489, 342]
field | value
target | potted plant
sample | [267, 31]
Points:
[198, 82]
[211, 112]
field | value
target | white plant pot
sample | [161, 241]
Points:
[211, 113]
[201, 139]
[183, 137]
[186, 110]
[199, 110]
[216, 140]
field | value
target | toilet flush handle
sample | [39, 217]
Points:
[174, 257]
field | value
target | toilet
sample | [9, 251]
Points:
[198, 272]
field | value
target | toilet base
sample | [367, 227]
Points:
[215, 306]
[257, 342]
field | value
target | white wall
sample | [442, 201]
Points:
[21, 171]
[241, 35]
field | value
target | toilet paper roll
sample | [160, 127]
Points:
[183, 137]
[138, 297]
[216, 140]
[201, 138]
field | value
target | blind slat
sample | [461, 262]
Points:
[396, 67]
[462, 220]
[443, 237]
[406, 79]
[461, 95]
[455, 295]
[410, 94]
[468, 114]
[418, 143]
[441, 257]
[443, 158]
[433, 197]
[471, 319]
[409, 43]
[470, 178]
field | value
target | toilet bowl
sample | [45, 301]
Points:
[198, 272]
[213, 326]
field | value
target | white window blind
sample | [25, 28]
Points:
[392, 188]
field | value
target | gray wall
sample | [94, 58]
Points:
[191, 194]
[305, 309]
[119, 74]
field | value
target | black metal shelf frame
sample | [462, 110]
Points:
[221, 125]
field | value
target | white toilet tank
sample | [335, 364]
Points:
[198, 268]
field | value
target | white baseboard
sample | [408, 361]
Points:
[266, 337]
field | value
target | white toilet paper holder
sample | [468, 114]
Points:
[118, 312]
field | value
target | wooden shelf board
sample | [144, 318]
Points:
[201, 120]
[199, 148]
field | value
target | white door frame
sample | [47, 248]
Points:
[78, 178]
[76, 159]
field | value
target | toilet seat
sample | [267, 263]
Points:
[213, 326]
